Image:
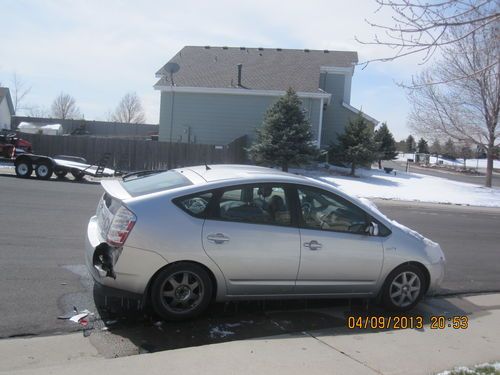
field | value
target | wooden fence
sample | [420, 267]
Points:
[133, 155]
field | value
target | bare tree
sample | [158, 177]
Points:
[464, 109]
[37, 111]
[64, 107]
[129, 110]
[19, 92]
[421, 26]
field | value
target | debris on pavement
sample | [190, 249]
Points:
[78, 317]
[65, 316]
[218, 332]
[84, 318]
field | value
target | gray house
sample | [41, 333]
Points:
[214, 95]
[6, 108]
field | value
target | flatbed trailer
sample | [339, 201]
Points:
[60, 165]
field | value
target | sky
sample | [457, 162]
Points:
[97, 51]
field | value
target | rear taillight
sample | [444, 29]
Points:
[123, 222]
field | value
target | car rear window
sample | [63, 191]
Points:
[148, 184]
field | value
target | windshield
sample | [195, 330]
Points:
[154, 183]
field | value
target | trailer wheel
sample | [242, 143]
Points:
[24, 168]
[60, 173]
[44, 170]
[77, 174]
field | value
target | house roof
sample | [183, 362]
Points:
[5, 93]
[262, 68]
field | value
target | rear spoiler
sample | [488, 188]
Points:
[115, 189]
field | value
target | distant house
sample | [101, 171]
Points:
[6, 108]
[216, 94]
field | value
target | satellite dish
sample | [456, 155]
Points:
[172, 68]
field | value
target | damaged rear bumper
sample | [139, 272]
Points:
[129, 269]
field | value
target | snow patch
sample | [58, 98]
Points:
[374, 183]
[472, 370]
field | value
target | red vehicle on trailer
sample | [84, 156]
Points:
[12, 146]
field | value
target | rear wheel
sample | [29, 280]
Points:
[24, 169]
[44, 170]
[77, 174]
[403, 288]
[181, 291]
[60, 174]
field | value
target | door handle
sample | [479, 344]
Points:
[217, 238]
[313, 245]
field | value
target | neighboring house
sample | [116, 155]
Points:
[217, 94]
[6, 108]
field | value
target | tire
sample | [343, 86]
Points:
[77, 174]
[175, 296]
[404, 288]
[44, 170]
[24, 168]
[60, 173]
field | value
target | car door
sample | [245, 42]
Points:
[338, 255]
[249, 233]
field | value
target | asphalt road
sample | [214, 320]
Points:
[42, 272]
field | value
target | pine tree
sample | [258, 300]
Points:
[386, 145]
[356, 145]
[435, 147]
[449, 150]
[401, 145]
[410, 144]
[465, 152]
[423, 146]
[285, 137]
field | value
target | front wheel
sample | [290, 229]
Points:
[403, 288]
[181, 291]
[24, 169]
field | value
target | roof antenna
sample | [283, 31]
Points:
[207, 168]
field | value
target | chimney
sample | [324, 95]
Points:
[240, 66]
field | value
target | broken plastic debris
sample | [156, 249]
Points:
[66, 316]
[76, 318]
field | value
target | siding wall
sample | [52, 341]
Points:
[4, 114]
[220, 118]
[335, 117]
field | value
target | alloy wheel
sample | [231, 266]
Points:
[182, 292]
[405, 289]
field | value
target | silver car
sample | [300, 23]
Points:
[187, 236]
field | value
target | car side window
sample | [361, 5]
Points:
[257, 204]
[326, 211]
[196, 205]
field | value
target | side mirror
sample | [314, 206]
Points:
[372, 229]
